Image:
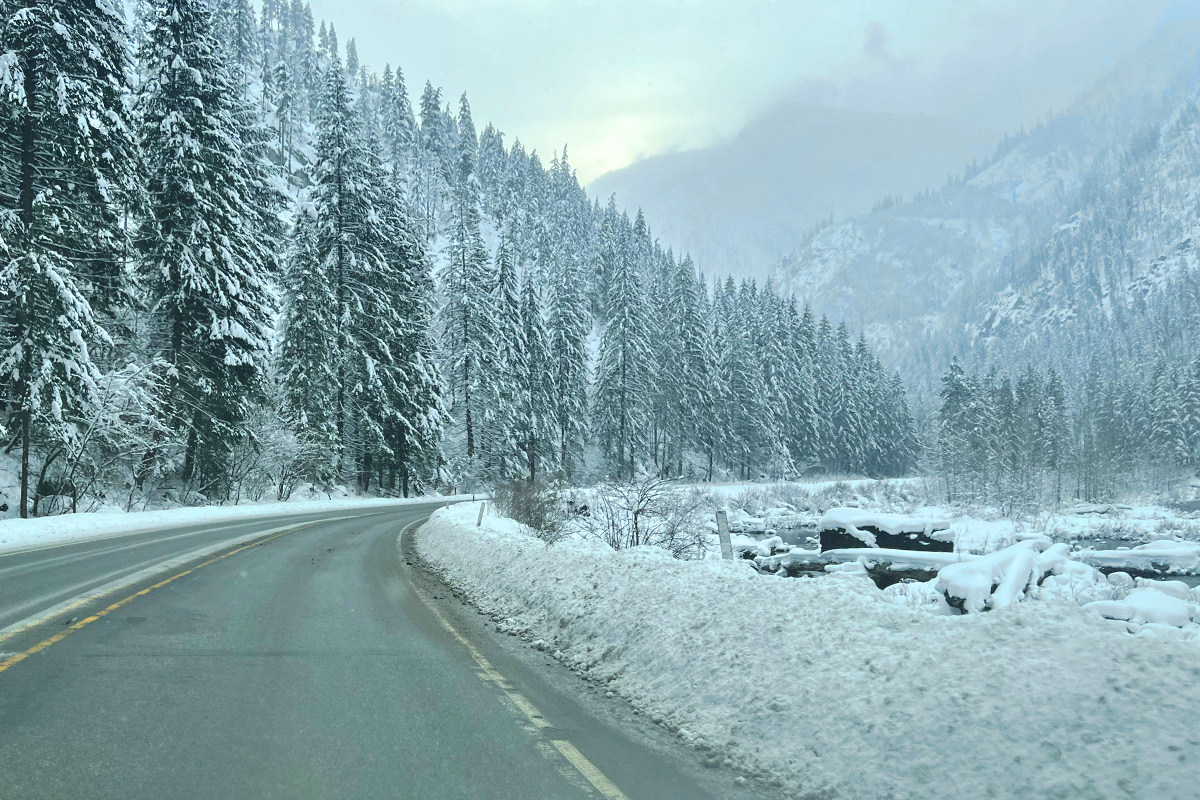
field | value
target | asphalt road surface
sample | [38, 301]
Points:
[292, 656]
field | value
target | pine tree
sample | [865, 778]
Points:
[430, 145]
[504, 438]
[1189, 411]
[467, 315]
[238, 32]
[306, 354]
[621, 410]
[535, 401]
[1055, 436]
[958, 397]
[67, 170]
[416, 417]
[802, 426]
[1167, 442]
[567, 330]
[399, 126]
[350, 196]
[208, 243]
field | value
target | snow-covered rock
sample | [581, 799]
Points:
[1148, 606]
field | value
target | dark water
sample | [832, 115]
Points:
[795, 537]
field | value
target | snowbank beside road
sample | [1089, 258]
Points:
[826, 686]
[22, 534]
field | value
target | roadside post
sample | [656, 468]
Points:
[482, 506]
[723, 533]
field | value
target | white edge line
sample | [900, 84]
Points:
[489, 674]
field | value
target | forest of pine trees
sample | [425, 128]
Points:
[233, 262]
[1027, 442]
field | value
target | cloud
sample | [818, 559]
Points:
[875, 43]
[994, 67]
[620, 78]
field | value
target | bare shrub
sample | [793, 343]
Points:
[647, 511]
[535, 505]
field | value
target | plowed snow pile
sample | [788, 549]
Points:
[825, 686]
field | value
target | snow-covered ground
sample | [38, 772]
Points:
[831, 687]
[770, 507]
[23, 534]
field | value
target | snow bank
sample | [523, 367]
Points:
[23, 534]
[982, 536]
[835, 690]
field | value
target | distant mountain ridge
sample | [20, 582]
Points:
[741, 204]
[1074, 241]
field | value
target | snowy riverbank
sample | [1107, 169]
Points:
[826, 686]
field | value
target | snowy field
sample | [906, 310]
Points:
[24, 534]
[831, 687]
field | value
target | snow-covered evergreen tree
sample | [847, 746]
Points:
[307, 364]
[621, 411]
[535, 395]
[209, 241]
[467, 316]
[67, 171]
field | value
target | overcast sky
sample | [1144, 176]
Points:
[619, 80]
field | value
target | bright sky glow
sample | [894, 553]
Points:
[619, 80]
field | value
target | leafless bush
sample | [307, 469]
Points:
[647, 511]
[535, 505]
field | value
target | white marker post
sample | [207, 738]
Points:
[482, 506]
[723, 533]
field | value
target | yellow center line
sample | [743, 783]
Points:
[17, 658]
[489, 674]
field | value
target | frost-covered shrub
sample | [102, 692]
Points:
[536, 505]
[647, 511]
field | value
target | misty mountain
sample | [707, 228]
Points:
[1072, 241]
[742, 204]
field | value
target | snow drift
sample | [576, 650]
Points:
[826, 686]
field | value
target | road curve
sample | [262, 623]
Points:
[305, 666]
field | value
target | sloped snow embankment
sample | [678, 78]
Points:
[823, 685]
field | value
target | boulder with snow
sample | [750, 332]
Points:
[843, 528]
[1149, 605]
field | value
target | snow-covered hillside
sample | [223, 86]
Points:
[1088, 211]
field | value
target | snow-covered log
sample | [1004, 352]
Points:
[1148, 606]
[1163, 557]
[852, 527]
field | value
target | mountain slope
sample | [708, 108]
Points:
[741, 204]
[991, 267]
